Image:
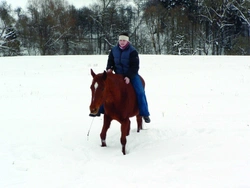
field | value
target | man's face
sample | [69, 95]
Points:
[123, 42]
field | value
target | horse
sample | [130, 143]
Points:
[119, 102]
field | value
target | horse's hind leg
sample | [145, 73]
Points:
[139, 123]
[128, 127]
[106, 124]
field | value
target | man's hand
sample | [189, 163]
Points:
[127, 80]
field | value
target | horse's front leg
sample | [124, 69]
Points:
[125, 128]
[106, 124]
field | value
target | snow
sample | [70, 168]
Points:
[199, 135]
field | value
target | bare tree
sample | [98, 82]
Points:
[9, 44]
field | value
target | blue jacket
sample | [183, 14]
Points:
[125, 62]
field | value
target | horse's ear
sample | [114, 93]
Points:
[92, 73]
[104, 75]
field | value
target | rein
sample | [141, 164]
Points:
[90, 127]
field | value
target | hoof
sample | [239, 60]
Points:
[104, 143]
[123, 150]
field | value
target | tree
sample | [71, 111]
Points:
[9, 44]
[53, 27]
[155, 16]
[223, 21]
[51, 24]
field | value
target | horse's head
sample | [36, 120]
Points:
[97, 89]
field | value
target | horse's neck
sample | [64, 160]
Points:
[114, 88]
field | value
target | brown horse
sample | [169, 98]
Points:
[119, 101]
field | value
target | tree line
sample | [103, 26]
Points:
[178, 27]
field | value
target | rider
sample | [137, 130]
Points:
[123, 59]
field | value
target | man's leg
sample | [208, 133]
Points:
[141, 98]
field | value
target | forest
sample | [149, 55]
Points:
[176, 27]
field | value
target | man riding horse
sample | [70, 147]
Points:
[124, 59]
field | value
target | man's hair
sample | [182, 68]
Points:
[124, 33]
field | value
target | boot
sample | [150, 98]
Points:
[146, 119]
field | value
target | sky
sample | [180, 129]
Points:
[198, 136]
[76, 3]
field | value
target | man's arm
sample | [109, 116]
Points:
[111, 62]
[133, 65]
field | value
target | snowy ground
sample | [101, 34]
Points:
[199, 136]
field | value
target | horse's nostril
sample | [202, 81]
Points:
[93, 110]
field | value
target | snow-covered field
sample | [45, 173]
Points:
[199, 135]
